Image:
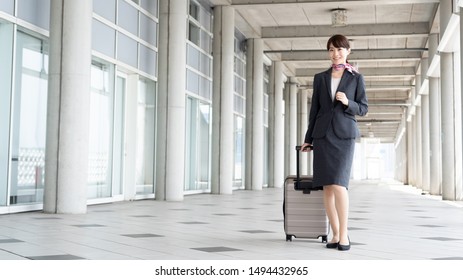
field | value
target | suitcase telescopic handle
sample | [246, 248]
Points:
[298, 149]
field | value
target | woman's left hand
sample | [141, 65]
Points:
[341, 97]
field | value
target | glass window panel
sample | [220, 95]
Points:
[238, 173]
[240, 67]
[205, 88]
[192, 81]
[266, 102]
[265, 109]
[197, 154]
[35, 12]
[193, 57]
[106, 9]
[151, 6]
[147, 60]
[265, 87]
[29, 120]
[148, 29]
[127, 50]
[205, 19]
[128, 17]
[206, 65]
[194, 10]
[238, 104]
[119, 135]
[145, 137]
[6, 60]
[100, 131]
[206, 41]
[193, 34]
[103, 38]
[7, 6]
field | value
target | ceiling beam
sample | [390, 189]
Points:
[372, 54]
[249, 3]
[396, 30]
[391, 71]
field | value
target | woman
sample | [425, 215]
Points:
[338, 95]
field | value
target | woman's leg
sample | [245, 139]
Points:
[342, 209]
[330, 207]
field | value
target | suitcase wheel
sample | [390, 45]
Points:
[289, 237]
[324, 239]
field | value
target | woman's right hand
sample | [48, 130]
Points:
[306, 147]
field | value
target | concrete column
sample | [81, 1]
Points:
[410, 154]
[434, 123]
[448, 110]
[425, 146]
[417, 136]
[292, 127]
[302, 125]
[222, 106]
[287, 124]
[400, 165]
[254, 115]
[68, 107]
[419, 155]
[276, 126]
[411, 132]
[170, 123]
[459, 191]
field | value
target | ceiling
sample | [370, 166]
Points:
[388, 40]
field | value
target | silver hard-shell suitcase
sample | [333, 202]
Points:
[303, 208]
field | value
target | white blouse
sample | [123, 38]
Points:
[334, 86]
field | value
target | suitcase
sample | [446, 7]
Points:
[303, 209]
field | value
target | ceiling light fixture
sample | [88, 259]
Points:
[338, 17]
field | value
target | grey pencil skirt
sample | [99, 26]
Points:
[332, 160]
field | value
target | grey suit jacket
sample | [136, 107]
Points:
[325, 112]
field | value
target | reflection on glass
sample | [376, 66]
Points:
[238, 174]
[145, 137]
[197, 153]
[6, 61]
[100, 131]
[29, 120]
[119, 135]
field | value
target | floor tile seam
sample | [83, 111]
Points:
[13, 253]
[96, 248]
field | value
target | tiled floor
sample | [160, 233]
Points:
[387, 221]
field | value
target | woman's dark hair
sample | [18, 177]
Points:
[338, 41]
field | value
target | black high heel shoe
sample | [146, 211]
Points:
[332, 245]
[343, 247]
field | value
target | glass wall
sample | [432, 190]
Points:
[199, 96]
[6, 66]
[119, 134]
[29, 120]
[145, 137]
[239, 108]
[101, 130]
[125, 31]
[197, 152]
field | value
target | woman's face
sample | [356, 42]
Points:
[338, 55]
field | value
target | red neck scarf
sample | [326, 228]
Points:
[346, 66]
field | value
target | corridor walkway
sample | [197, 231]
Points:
[388, 221]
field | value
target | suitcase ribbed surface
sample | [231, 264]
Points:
[305, 215]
